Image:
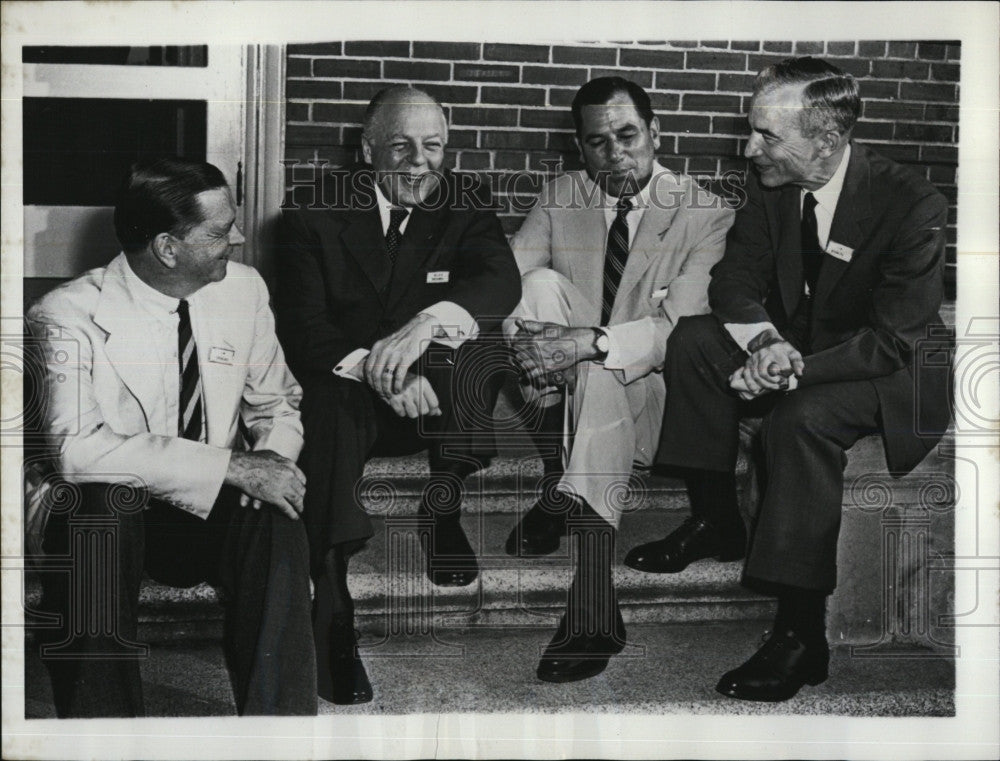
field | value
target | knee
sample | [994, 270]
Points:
[545, 295]
[690, 337]
[795, 416]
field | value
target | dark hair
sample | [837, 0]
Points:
[599, 91]
[160, 196]
[386, 94]
[830, 98]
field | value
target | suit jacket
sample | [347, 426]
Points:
[104, 379]
[871, 308]
[336, 291]
[680, 237]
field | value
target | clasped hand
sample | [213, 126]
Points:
[768, 367]
[388, 363]
[548, 352]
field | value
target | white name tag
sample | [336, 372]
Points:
[840, 251]
[438, 277]
[220, 355]
[659, 293]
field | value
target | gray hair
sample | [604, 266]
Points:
[393, 95]
[830, 97]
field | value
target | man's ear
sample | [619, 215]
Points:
[579, 147]
[164, 249]
[829, 141]
[654, 131]
[366, 149]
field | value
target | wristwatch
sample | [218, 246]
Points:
[602, 344]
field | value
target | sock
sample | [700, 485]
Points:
[713, 499]
[592, 597]
[802, 611]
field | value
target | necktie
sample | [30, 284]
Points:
[393, 235]
[189, 416]
[615, 257]
[812, 252]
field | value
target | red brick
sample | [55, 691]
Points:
[339, 156]
[474, 160]
[840, 48]
[899, 151]
[521, 96]
[382, 49]
[681, 123]
[715, 43]
[758, 61]
[297, 112]
[451, 50]
[736, 82]
[652, 59]
[562, 141]
[698, 102]
[452, 94]
[942, 174]
[777, 47]
[363, 90]
[586, 56]
[547, 118]
[665, 101]
[685, 80]
[320, 48]
[480, 72]
[463, 138]
[548, 165]
[712, 146]
[510, 160]
[954, 51]
[417, 70]
[298, 67]
[346, 67]
[931, 133]
[642, 78]
[730, 125]
[313, 89]
[561, 97]
[509, 139]
[808, 48]
[871, 88]
[902, 49]
[749, 45]
[350, 136]
[716, 61]
[351, 113]
[484, 117]
[892, 109]
[683, 43]
[525, 53]
[859, 67]
[554, 75]
[871, 48]
[661, 43]
[926, 91]
[938, 112]
[873, 131]
[673, 163]
[702, 165]
[945, 72]
[890, 69]
[935, 51]
[311, 134]
[946, 154]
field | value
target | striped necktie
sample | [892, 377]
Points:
[393, 235]
[615, 257]
[189, 416]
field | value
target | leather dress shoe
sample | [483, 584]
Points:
[538, 532]
[778, 670]
[451, 561]
[693, 540]
[572, 657]
[343, 679]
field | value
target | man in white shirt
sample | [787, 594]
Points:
[387, 297]
[162, 368]
[832, 276]
[611, 258]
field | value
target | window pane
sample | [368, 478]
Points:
[163, 55]
[76, 150]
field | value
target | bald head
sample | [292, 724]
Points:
[399, 97]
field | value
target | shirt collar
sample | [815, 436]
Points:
[828, 195]
[159, 304]
[640, 200]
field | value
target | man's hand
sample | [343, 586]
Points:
[266, 476]
[416, 399]
[546, 351]
[771, 362]
[391, 358]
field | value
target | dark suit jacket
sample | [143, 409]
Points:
[337, 292]
[869, 313]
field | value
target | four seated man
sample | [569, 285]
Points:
[640, 315]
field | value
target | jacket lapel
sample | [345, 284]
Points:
[362, 235]
[851, 221]
[128, 349]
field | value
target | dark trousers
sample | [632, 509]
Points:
[805, 435]
[257, 557]
[346, 424]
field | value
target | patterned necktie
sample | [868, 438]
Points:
[812, 252]
[615, 257]
[189, 416]
[393, 235]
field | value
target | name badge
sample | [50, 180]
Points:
[659, 293]
[438, 277]
[840, 251]
[221, 356]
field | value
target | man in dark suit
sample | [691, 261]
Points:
[386, 301]
[833, 273]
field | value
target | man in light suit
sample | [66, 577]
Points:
[160, 368]
[832, 278]
[611, 259]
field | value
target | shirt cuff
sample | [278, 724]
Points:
[614, 359]
[744, 333]
[793, 382]
[452, 324]
[345, 367]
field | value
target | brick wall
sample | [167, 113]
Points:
[508, 104]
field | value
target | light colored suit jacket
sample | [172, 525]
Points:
[681, 235]
[104, 379]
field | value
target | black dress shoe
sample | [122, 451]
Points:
[693, 540]
[778, 670]
[342, 678]
[539, 531]
[451, 561]
[571, 657]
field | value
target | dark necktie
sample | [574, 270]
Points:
[393, 235]
[189, 413]
[812, 252]
[615, 257]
